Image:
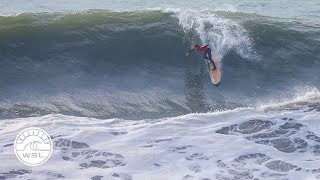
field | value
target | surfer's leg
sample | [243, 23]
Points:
[214, 66]
[210, 58]
[205, 55]
[208, 63]
[209, 53]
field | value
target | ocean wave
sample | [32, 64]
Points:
[221, 33]
[307, 98]
[132, 64]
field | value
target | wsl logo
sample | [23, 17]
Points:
[33, 146]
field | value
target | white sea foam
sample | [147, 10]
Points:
[300, 97]
[296, 9]
[221, 33]
[194, 145]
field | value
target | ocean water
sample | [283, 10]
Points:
[110, 82]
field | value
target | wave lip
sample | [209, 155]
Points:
[222, 34]
[306, 10]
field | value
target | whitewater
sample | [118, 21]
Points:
[110, 83]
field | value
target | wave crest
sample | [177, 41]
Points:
[222, 34]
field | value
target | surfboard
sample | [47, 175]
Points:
[215, 75]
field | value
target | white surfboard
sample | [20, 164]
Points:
[215, 75]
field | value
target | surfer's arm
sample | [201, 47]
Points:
[189, 52]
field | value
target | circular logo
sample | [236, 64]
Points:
[33, 146]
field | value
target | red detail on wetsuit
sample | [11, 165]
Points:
[201, 48]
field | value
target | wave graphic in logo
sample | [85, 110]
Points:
[33, 146]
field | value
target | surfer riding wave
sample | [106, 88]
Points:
[206, 53]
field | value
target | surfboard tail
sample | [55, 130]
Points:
[217, 84]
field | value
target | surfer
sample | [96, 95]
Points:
[206, 53]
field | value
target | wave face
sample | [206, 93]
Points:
[132, 64]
